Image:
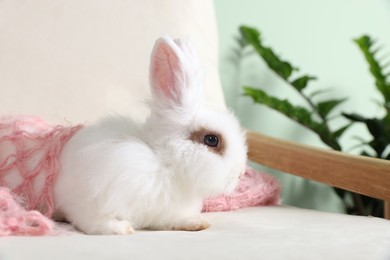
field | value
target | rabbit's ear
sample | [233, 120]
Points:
[174, 73]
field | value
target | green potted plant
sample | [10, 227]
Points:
[318, 113]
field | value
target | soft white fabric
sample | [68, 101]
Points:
[79, 60]
[252, 233]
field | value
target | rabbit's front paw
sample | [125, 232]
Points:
[110, 226]
[192, 224]
[121, 227]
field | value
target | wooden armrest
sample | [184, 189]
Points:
[364, 175]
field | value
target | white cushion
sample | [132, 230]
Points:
[251, 233]
[77, 60]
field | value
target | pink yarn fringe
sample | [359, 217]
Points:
[29, 163]
[254, 189]
[15, 220]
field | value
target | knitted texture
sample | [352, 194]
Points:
[254, 189]
[29, 163]
[15, 220]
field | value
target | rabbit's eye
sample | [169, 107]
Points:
[211, 140]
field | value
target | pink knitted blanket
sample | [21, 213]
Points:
[29, 163]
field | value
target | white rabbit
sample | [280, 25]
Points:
[117, 176]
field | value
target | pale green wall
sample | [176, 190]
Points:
[317, 37]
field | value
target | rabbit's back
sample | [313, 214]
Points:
[103, 166]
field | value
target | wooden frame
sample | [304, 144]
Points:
[368, 176]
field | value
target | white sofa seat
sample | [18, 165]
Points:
[272, 232]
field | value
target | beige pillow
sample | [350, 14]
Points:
[78, 60]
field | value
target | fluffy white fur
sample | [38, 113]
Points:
[117, 176]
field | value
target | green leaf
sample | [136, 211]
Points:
[284, 69]
[381, 79]
[329, 139]
[297, 113]
[252, 37]
[376, 128]
[325, 107]
[354, 117]
[318, 92]
[339, 132]
[340, 192]
[301, 82]
[379, 146]
[365, 153]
